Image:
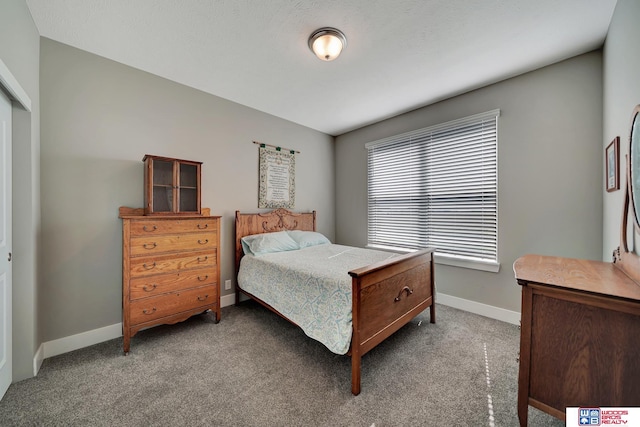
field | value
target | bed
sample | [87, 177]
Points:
[383, 296]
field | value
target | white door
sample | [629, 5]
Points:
[5, 244]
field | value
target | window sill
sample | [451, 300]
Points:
[475, 264]
[452, 260]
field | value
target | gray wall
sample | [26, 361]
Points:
[99, 118]
[549, 172]
[19, 50]
[621, 95]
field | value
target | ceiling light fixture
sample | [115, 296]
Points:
[327, 43]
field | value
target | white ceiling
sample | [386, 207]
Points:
[400, 55]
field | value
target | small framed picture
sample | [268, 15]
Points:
[611, 160]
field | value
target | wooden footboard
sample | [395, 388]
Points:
[386, 296]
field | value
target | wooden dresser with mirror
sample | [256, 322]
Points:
[580, 324]
[170, 250]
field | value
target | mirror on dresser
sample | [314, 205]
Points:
[624, 258]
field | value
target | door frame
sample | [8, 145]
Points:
[19, 99]
[6, 230]
[10, 84]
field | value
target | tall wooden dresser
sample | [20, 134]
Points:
[580, 335]
[170, 268]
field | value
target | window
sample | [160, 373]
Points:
[438, 187]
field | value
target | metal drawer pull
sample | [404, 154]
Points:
[150, 245]
[202, 260]
[149, 289]
[203, 243]
[202, 228]
[202, 279]
[153, 310]
[202, 299]
[149, 267]
[405, 289]
[154, 228]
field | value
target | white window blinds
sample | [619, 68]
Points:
[437, 187]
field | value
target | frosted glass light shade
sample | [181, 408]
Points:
[327, 43]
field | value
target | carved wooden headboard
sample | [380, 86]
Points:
[269, 222]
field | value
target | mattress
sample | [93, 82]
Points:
[311, 287]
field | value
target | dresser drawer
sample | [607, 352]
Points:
[147, 245]
[150, 227]
[147, 286]
[148, 309]
[146, 266]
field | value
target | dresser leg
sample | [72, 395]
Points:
[524, 356]
[523, 413]
[212, 312]
[127, 343]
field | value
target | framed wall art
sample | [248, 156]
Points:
[612, 165]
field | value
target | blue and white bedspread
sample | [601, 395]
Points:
[311, 287]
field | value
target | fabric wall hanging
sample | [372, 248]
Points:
[277, 178]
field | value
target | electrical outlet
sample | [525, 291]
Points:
[227, 285]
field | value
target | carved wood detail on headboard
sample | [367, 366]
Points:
[283, 216]
[270, 222]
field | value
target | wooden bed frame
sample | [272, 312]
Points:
[386, 295]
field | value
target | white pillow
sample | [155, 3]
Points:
[305, 239]
[259, 244]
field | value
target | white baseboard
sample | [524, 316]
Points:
[85, 339]
[38, 359]
[227, 300]
[490, 311]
